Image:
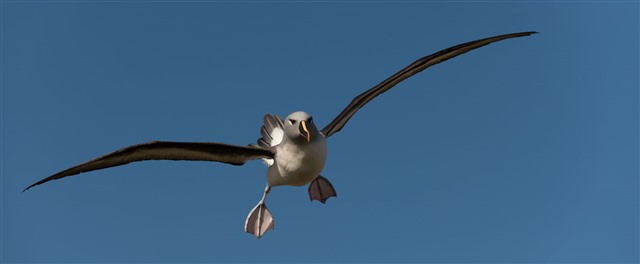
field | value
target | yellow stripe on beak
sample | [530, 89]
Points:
[304, 127]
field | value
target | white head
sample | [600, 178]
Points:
[299, 127]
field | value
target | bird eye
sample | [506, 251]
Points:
[291, 121]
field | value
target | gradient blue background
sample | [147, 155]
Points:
[522, 151]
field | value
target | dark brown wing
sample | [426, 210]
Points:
[163, 150]
[407, 72]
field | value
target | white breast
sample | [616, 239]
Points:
[297, 164]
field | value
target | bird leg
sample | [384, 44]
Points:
[321, 189]
[259, 220]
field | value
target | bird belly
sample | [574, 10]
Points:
[297, 165]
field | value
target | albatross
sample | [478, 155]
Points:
[293, 148]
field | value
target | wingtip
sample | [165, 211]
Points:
[521, 34]
[28, 187]
[31, 186]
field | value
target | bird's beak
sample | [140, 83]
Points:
[304, 132]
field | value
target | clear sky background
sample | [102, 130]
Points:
[522, 151]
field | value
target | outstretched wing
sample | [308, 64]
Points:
[163, 150]
[407, 72]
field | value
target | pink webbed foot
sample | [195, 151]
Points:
[259, 221]
[321, 189]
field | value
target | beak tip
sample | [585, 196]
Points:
[306, 134]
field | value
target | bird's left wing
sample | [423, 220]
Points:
[407, 72]
[164, 150]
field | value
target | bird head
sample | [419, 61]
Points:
[299, 127]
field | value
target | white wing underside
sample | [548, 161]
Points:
[277, 134]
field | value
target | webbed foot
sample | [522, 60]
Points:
[321, 189]
[259, 221]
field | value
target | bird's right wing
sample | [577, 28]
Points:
[407, 72]
[164, 150]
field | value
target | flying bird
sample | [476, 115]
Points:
[293, 148]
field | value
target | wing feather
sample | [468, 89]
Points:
[271, 132]
[416, 67]
[164, 150]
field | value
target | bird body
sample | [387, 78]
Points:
[297, 165]
[300, 150]
[294, 149]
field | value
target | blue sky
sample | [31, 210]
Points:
[522, 151]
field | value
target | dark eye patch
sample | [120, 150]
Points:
[291, 121]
